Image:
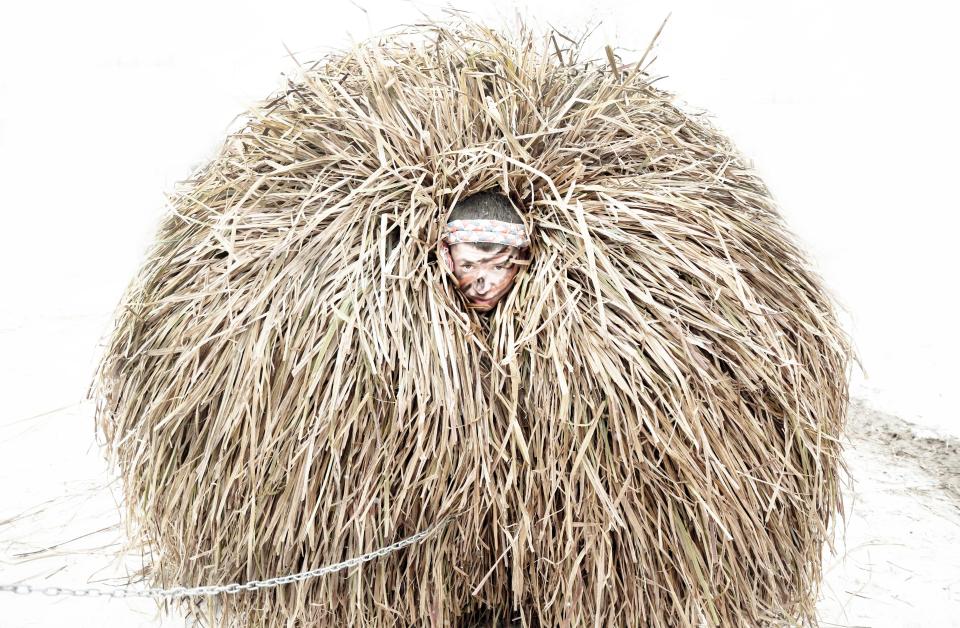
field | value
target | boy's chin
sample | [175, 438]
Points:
[483, 306]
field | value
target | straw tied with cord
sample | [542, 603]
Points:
[650, 436]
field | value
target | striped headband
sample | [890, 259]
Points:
[496, 231]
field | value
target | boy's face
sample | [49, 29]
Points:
[484, 277]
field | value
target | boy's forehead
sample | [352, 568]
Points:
[467, 252]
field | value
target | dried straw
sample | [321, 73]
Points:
[644, 433]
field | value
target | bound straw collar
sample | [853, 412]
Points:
[497, 231]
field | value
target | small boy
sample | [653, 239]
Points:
[485, 243]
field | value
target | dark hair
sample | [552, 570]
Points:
[486, 206]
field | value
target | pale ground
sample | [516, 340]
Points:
[899, 565]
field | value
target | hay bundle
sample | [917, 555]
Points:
[643, 433]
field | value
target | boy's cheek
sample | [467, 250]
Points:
[464, 278]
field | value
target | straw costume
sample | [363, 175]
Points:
[643, 432]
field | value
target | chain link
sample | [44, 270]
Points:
[232, 588]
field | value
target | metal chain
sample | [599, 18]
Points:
[233, 588]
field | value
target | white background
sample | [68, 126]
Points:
[849, 111]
